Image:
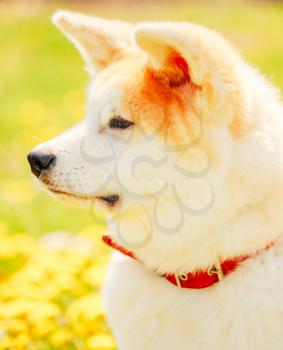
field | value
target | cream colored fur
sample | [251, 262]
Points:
[229, 190]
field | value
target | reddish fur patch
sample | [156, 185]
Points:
[158, 107]
[176, 70]
[165, 110]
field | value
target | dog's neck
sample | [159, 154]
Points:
[200, 244]
[197, 279]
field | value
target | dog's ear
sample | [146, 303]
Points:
[172, 54]
[100, 42]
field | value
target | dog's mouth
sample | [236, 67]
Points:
[110, 200]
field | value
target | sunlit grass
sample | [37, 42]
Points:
[49, 297]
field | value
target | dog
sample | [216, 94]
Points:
[181, 149]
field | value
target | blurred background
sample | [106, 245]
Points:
[52, 262]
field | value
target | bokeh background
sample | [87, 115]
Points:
[52, 261]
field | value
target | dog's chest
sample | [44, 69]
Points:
[243, 312]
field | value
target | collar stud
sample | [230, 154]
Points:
[216, 269]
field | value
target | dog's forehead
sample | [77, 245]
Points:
[104, 92]
[117, 75]
[107, 92]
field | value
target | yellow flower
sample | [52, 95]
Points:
[37, 300]
[43, 328]
[85, 309]
[15, 308]
[15, 290]
[30, 274]
[34, 311]
[13, 325]
[95, 274]
[23, 243]
[16, 244]
[42, 310]
[6, 343]
[80, 329]
[20, 341]
[60, 262]
[61, 337]
[101, 342]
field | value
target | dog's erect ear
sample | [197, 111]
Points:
[174, 51]
[101, 42]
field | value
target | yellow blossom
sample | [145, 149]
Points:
[13, 325]
[49, 297]
[60, 337]
[101, 342]
[86, 308]
[95, 274]
[41, 310]
[42, 328]
[16, 244]
[6, 343]
[21, 340]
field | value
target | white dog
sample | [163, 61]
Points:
[181, 146]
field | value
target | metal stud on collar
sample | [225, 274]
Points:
[216, 269]
[180, 278]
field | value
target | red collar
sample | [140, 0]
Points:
[198, 279]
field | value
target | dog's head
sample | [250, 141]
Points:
[165, 108]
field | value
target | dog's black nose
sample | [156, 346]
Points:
[40, 162]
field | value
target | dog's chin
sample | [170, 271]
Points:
[107, 200]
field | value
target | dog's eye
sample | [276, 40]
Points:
[118, 122]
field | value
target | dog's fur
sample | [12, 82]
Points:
[194, 102]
